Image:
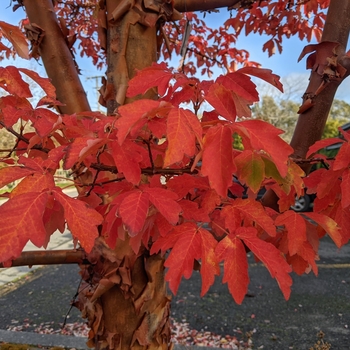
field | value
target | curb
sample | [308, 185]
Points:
[64, 341]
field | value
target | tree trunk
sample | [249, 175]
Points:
[124, 296]
[132, 312]
[311, 123]
[57, 58]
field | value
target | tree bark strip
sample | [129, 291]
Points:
[57, 58]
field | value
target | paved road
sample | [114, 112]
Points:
[316, 303]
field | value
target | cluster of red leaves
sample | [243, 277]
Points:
[207, 46]
[165, 175]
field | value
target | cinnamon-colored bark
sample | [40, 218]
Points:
[49, 257]
[126, 303]
[310, 124]
[130, 47]
[57, 58]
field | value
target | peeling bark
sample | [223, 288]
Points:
[56, 56]
[124, 299]
[131, 46]
[124, 296]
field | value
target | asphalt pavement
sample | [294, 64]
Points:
[43, 295]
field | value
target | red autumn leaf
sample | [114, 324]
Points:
[14, 35]
[131, 114]
[37, 164]
[242, 106]
[24, 222]
[307, 253]
[183, 127]
[299, 265]
[127, 161]
[183, 254]
[45, 84]
[322, 144]
[296, 229]
[209, 264]
[37, 182]
[165, 202]
[13, 108]
[81, 219]
[342, 217]
[11, 80]
[329, 225]
[13, 173]
[218, 158]
[45, 121]
[250, 169]
[189, 243]
[133, 211]
[270, 47]
[345, 189]
[241, 85]
[232, 251]
[53, 218]
[270, 256]
[158, 75]
[80, 148]
[263, 136]
[264, 74]
[190, 211]
[6, 49]
[253, 210]
[209, 201]
[182, 184]
[342, 159]
[222, 100]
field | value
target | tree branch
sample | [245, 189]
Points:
[311, 123]
[49, 257]
[57, 58]
[147, 171]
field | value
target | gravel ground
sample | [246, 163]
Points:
[41, 302]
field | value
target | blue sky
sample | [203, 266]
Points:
[284, 64]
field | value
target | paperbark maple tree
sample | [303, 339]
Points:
[152, 176]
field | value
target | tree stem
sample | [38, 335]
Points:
[311, 123]
[57, 58]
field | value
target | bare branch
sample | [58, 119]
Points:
[57, 58]
[49, 257]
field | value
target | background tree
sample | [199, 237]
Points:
[151, 176]
[283, 115]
